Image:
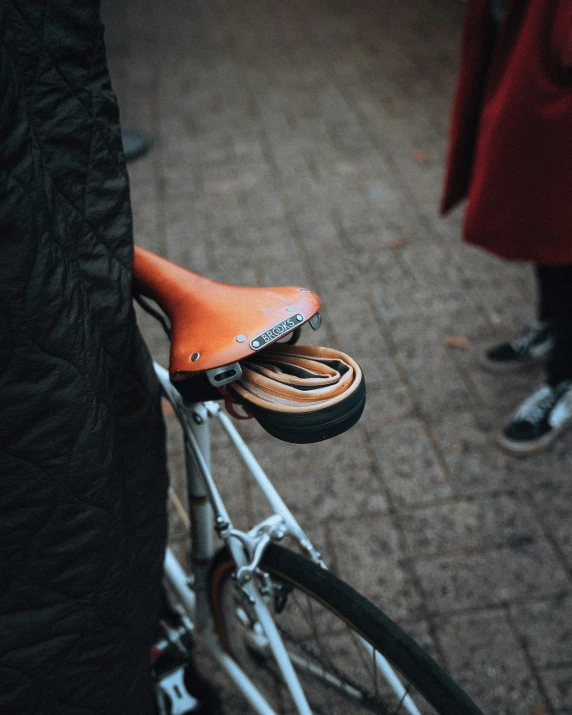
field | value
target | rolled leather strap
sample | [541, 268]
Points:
[301, 393]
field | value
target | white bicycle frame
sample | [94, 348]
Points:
[208, 514]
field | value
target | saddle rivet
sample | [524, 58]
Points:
[255, 344]
[304, 290]
[195, 357]
[291, 308]
[299, 317]
[240, 338]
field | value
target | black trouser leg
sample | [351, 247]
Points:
[555, 306]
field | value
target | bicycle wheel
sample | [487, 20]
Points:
[334, 637]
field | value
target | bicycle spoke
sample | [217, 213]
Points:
[327, 671]
[400, 703]
[339, 644]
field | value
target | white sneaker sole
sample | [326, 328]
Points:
[522, 449]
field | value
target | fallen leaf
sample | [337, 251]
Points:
[457, 341]
[495, 319]
[396, 243]
[421, 156]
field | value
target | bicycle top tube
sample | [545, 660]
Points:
[215, 324]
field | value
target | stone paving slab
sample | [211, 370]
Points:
[303, 142]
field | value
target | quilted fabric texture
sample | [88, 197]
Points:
[82, 463]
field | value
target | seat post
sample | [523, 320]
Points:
[200, 510]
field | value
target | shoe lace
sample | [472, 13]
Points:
[537, 406]
[528, 337]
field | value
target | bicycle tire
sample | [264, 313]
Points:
[292, 572]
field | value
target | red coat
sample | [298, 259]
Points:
[510, 148]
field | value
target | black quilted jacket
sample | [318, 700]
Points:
[82, 464]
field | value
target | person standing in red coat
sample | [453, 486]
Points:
[510, 156]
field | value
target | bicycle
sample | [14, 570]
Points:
[291, 636]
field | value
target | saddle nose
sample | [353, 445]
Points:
[215, 324]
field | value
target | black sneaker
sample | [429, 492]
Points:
[533, 346]
[539, 420]
[180, 687]
[135, 143]
[182, 690]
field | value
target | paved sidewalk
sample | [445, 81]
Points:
[303, 142]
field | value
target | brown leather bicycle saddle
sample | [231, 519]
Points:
[215, 324]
